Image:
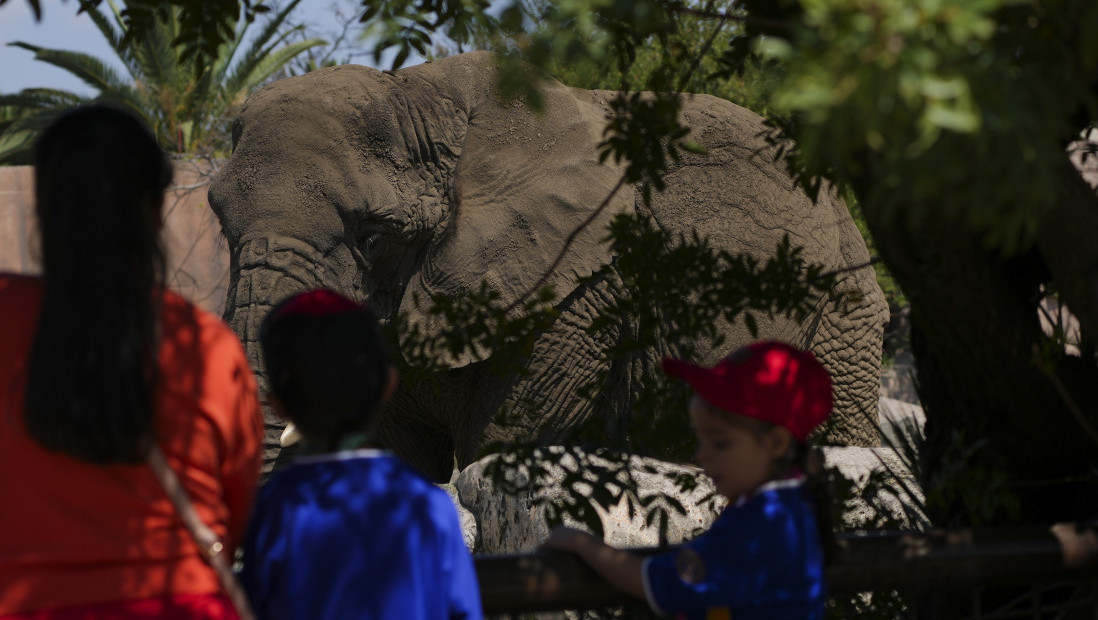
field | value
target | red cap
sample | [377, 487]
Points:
[319, 302]
[768, 380]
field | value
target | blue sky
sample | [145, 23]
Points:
[62, 28]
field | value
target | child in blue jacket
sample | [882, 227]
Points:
[347, 530]
[762, 557]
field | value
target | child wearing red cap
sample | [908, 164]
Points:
[762, 557]
[347, 530]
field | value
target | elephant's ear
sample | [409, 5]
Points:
[525, 183]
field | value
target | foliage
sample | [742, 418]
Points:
[495, 331]
[911, 86]
[903, 103]
[687, 303]
[188, 113]
[343, 38]
[685, 59]
[14, 141]
[204, 25]
[409, 26]
[979, 486]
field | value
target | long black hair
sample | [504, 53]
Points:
[100, 178]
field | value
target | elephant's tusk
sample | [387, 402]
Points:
[290, 436]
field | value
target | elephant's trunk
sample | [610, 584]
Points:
[271, 268]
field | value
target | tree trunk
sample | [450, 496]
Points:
[994, 415]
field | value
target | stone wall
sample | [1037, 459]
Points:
[198, 257]
[17, 220]
[884, 488]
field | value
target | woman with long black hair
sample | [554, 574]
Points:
[100, 365]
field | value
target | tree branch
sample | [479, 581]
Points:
[745, 19]
[704, 50]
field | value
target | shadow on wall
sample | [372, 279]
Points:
[198, 257]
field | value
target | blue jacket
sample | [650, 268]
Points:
[761, 559]
[357, 535]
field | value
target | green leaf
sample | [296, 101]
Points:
[777, 49]
[154, 41]
[952, 118]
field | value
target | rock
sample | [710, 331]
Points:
[1056, 319]
[495, 522]
[898, 492]
[901, 424]
[898, 379]
[466, 518]
[515, 524]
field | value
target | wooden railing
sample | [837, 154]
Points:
[906, 561]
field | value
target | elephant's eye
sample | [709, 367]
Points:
[369, 242]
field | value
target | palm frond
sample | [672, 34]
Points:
[33, 122]
[42, 98]
[269, 38]
[227, 51]
[156, 56]
[30, 111]
[271, 29]
[89, 69]
[112, 34]
[16, 148]
[128, 97]
[132, 101]
[183, 107]
[211, 81]
[121, 47]
[240, 85]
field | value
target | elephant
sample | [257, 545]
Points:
[391, 186]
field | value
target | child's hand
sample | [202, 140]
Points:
[620, 568]
[568, 539]
[1080, 547]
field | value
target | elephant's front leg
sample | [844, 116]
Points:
[847, 337]
[544, 402]
[411, 426]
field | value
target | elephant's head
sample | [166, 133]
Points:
[388, 185]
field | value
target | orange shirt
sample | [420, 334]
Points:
[74, 533]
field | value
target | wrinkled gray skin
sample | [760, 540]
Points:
[385, 185]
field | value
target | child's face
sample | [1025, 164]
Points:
[737, 459]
